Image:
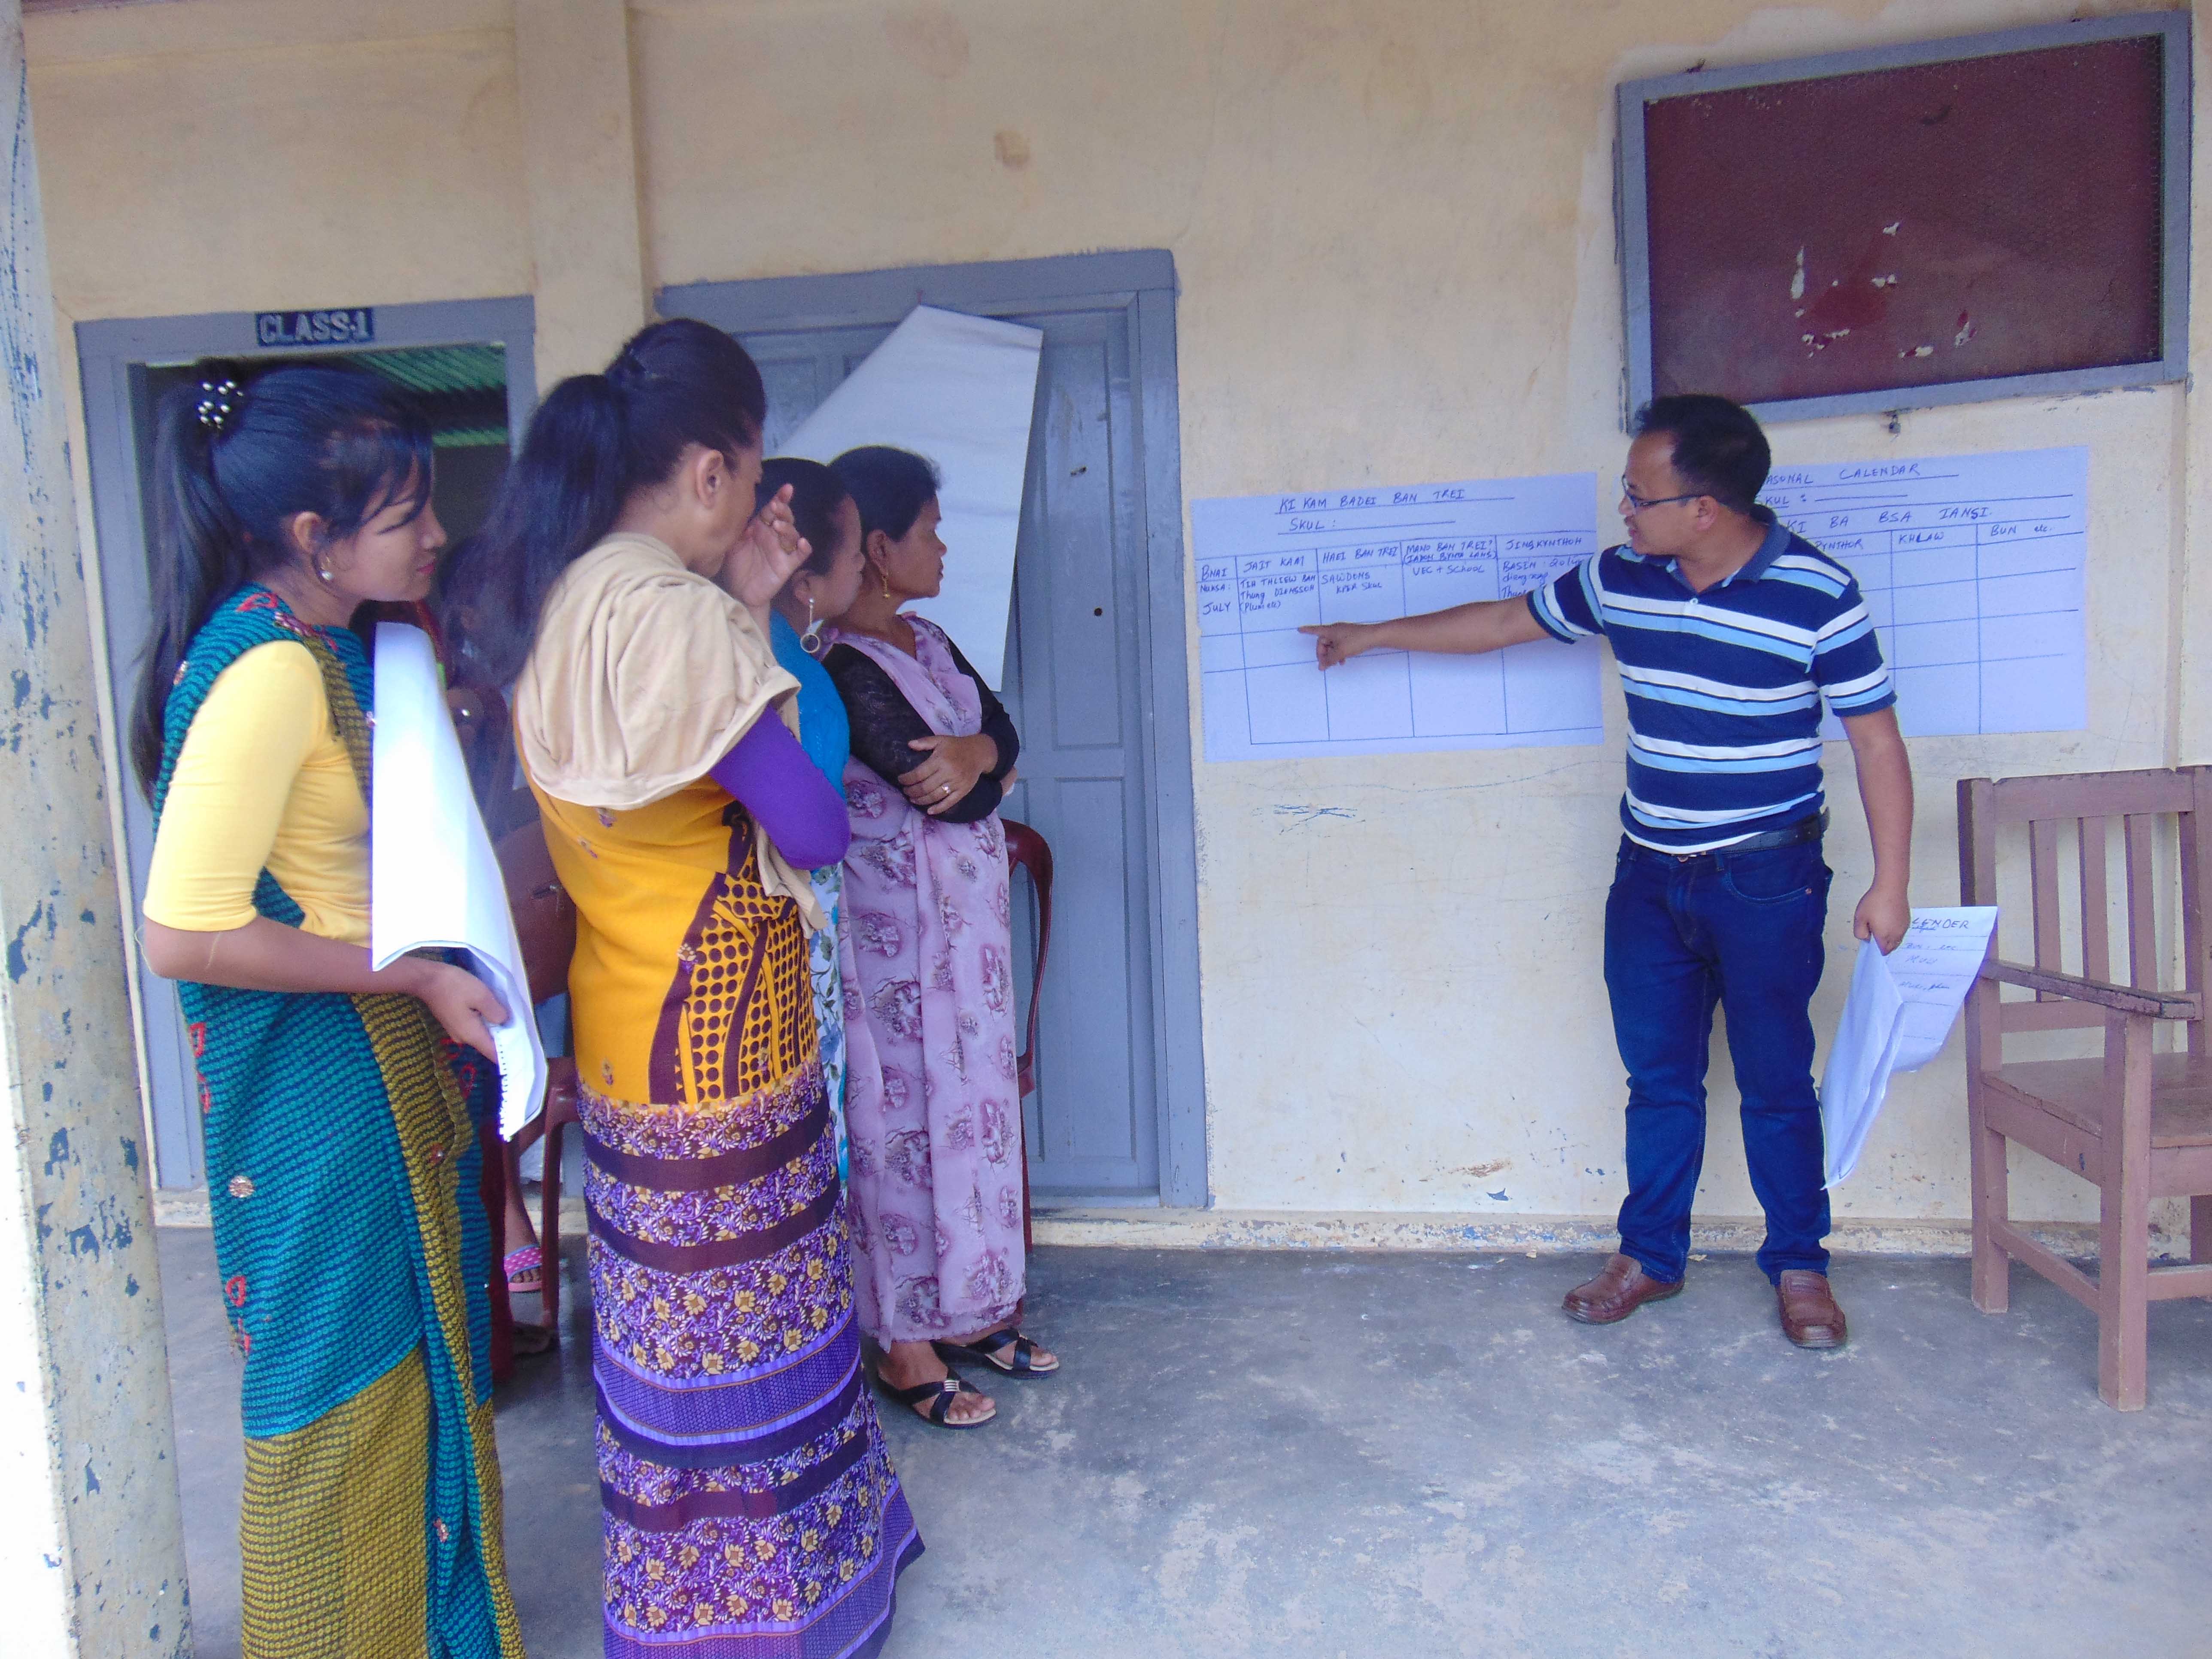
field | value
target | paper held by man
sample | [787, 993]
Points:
[435, 882]
[1897, 1018]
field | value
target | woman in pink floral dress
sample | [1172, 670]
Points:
[933, 1109]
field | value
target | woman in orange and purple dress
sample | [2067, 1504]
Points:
[750, 1504]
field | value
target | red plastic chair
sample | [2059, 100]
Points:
[1031, 852]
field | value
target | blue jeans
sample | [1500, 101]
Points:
[1741, 931]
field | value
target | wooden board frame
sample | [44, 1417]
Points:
[1632, 217]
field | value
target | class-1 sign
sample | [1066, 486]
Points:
[356, 327]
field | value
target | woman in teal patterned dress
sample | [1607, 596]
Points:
[342, 1161]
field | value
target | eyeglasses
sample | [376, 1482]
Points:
[1638, 503]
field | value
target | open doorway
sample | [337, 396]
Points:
[469, 365]
[462, 388]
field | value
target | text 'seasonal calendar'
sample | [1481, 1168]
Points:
[1971, 568]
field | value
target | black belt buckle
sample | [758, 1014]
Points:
[1811, 826]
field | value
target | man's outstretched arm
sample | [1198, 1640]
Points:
[1465, 630]
[1886, 791]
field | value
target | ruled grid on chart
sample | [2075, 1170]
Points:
[1972, 567]
[1266, 564]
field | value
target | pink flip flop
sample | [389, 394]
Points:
[527, 1259]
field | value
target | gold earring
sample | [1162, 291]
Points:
[886, 582]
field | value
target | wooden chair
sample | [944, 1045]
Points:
[1028, 851]
[2136, 1122]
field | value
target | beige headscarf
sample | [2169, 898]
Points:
[644, 674]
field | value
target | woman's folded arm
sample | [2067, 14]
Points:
[885, 726]
[998, 725]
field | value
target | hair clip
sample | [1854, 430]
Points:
[218, 398]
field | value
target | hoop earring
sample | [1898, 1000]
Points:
[811, 640]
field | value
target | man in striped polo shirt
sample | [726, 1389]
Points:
[1729, 631]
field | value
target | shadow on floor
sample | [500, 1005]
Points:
[1336, 1456]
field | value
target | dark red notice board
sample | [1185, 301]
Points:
[1934, 229]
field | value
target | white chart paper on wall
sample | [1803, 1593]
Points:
[1268, 564]
[960, 390]
[1971, 568]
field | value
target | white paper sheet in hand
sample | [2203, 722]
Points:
[959, 390]
[1897, 1018]
[434, 880]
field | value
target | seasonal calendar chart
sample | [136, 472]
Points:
[1972, 569]
[1267, 564]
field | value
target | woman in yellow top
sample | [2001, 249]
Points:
[341, 1159]
[750, 1504]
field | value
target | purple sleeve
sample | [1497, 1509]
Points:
[772, 777]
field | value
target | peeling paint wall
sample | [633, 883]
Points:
[1393, 223]
[91, 1547]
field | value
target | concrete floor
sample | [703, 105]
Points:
[1326, 1456]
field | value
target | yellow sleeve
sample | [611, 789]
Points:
[259, 722]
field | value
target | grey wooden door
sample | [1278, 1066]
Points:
[1074, 686]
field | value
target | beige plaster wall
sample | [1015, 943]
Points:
[1392, 222]
[231, 154]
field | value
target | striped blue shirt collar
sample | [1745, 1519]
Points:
[1776, 544]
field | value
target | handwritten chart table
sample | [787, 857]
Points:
[1267, 564]
[1972, 569]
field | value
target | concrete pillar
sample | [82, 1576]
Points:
[580, 169]
[91, 1542]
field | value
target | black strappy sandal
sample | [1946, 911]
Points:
[940, 1395]
[989, 1350]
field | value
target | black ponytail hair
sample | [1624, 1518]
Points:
[891, 486]
[595, 441]
[235, 461]
[817, 493]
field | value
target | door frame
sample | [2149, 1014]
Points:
[112, 353]
[1142, 282]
